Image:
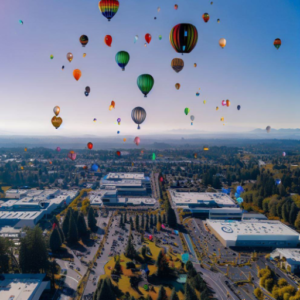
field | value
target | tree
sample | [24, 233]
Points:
[137, 223]
[125, 217]
[55, 240]
[158, 226]
[73, 231]
[66, 223]
[174, 295]
[285, 212]
[258, 294]
[81, 226]
[151, 220]
[155, 220]
[162, 265]
[121, 221]
[33, 257]
[92, 222]
[159, 218]
[4, 258]
[162, 294]
[131, 223]
[105, 291]
[189, 293]
[269, 283]
[293, 213]
[143, 222]
[130, 250]
[297, 221]
[171, 217]
[144, 251]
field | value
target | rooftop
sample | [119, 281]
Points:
[292, 255]
[138, 176]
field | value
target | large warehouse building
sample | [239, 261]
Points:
[208, 205]
[253, 233]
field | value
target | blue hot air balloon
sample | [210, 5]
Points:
[185, 257]
[94, 167]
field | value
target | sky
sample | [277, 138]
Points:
[249, 71]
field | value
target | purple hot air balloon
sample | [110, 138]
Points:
[58, 149]
[72, 155]
[119, 121]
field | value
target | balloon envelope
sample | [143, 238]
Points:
[137, 140]
[108, 8]
[185, 257]
[277, 43]
[186, 110]
[94, 167]
[69, 56]
[58, 149]
[148, 37]
[90, 145]
[56, 121]
[177, 64]
[108, 40]
[84, 40]
[138, 115]
[122, 59]
[72, 155]
[77, 74]
[145, 83]
[222, 42]
[56, 110]
[205, 17]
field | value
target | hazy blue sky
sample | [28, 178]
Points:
[249, 71]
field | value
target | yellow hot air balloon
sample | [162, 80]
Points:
[222, 42]
[110, 107]
[227, 103]
[177, 85]
[204, 101]
[124, 140]
[222, 119]
[22, 168]
[25, 149]
[84, 54]
[195, 65]
[56, 110]
[217, 108]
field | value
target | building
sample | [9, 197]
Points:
[22, 286]
[289, 258]
[32, 207]
[110, 198]
[207, 205]
[251, 216]
[12, 233]
[134, 184]
[253, 233]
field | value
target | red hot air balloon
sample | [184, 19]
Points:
[148, 38]
[205, 17]
[161, 179]
[108, 40]
[118, 153]
[90, 145]
[137, 140]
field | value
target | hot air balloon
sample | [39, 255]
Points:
[218, 20]
[204, 101]
[197, 94]
[119, 121]
[86, 93]
[21, 22]
[175, 6]
[138, 116]
[159, 37]
[227, 103]
[161, 179]
[192, 119]
[22, 168]
[113, 104]
[58, 149]
[62, 67]
[195, 155]
[177, 86]
[211, 3]
[83, 40]
[69, 56]
[186, 111]
[94, 167]
[148, 37]
[118, 153]
[72, 155]
[223, 102]
[25, 149]
[108, 40]
[205, 17]
[205, 148]
[90, 145]
[110, 107]
[277, 43]
[177, 64]
[77, 74]
[56, 121]
[122, 59]
[183, 37]
[56, 110]
[84, 55]
[222, 42]
[51, 56]
[195, 65]
[94, 120]
[145, 83]
[137, 140]
[222, 119]
[136, 38]
[153, 156]
[124, 140]
[268, 129]
[217, 108]
[108, 8]
[283, 154]
[118, 132]
[238, 107]
[142, 151]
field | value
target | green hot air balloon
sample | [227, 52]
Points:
[186, 110]
[145, 83]
[153, 156]
[122, 59]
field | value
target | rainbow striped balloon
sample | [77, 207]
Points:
[183, 38]
[108, 8]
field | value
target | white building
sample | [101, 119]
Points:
[22, 286]
[289, 258]
[253, 233]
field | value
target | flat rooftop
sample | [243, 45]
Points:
[19, 286]
[180, 198]
[291, 254]
[232, 230]
[130, 182]
[21, 215]
[138, 176]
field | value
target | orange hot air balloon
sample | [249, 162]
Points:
[110, 107]
[56, 121]
[177, 86]
[113, 104]
[124, 140]
[227, 103]
[77, 74]
[175, 6]
[142, 151]
[108, 40]
[50, 162]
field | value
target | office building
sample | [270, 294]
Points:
[288, 258]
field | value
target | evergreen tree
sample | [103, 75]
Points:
[151, 221]
[189, 293]
[81, 226]
[143, 222]
[297, 221]
[144, 251]
[205, 295]
[155, 220]
[159, 218]
[131, 224]
[164, 218]
[293, 213]
[33, 256]
[171, 217]
[4, 258]
[55, 240]
[285, 212]
[106, 292]
[66, 223]
[92, 222]
[162, 294]
[125, 217]
[73, 231]
[130, 250]
[162, 265]
[174, 295]
[137, 223]
[121, 221]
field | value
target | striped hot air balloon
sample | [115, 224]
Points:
[183, 37]
[122, 59]
[177, 64]
[145, 83]
[138, 116]
[108, 8]
[277, 43]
